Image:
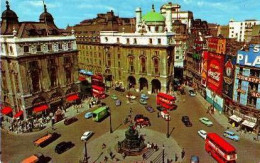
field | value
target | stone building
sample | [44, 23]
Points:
[143, 60]
[38, 65]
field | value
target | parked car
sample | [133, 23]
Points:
[63, 146]
[186, 121]
[231, 135]
[194, 159]
[70, 120]
[86, 135]
[202, 133]
[149, 108]
[192, 93]
[160, 108]
[144, 96]
[143, 101]
[120, 89]
[118, 102]
[88, 115]
[114, 97]
[206, 121]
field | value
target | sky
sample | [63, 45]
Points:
[71, 12]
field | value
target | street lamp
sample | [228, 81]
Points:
[110, 120]
[85, 160]
[168, 125]
[163, 154]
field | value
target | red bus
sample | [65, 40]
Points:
[166, 101]
[97, 80]
[220, 149]
[98, 91]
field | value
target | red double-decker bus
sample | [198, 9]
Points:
[98, 91]
[97, 80]
[166, 101]
[220, 149]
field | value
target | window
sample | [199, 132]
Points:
[60, 46]
[118, 64]
[106, 39]
[26, 49]
[38, 48]
[108, 55]
[127, 41]
[150, 41]
[118, 40]
[131, 64]
[177, 57]
[109, 63]
[99, 55]
[156, 65]
[156, 29]
[49, 47]
[143, 65]
[159, 41]
[118, 56]
[135, 41]
[119, 73]
[69, 45]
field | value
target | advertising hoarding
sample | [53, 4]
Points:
[250, 57]
[215, 72]
[228, 75]
[204, 68]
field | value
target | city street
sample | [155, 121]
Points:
[17, 147]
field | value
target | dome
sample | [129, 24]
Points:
[45, 16]
[153, 16]
[9, 14]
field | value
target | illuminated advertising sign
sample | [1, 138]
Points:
[215, 72]
[250, 57]
[229, 67]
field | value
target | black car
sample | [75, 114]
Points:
[186, 121]
[120, 89]
[68, 121]
[63, 146]
[159, 108]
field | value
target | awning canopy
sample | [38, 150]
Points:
[81, 78]
[86, 72]
[6, 110]
[235, 118]
[18, 114]
[40, 108]
[72, 97]
[249, 124]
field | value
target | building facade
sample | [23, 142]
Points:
[38, 65]
[242, 31]
[143, 60]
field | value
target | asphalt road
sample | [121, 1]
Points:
[17, 147]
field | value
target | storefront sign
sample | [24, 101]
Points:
[215, 72]
[252, 79]
[255, 94]
[250, 57]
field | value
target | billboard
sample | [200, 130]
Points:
[250, 57]
[204, 68]
[228, 75]
[215, 72]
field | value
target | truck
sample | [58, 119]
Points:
[100, 113]
[46, 139]
[35, 158]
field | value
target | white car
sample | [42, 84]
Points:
[132, 97]
[202, 133]
[192, 93]
[86, 135]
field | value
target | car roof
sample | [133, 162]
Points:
[229, 132]
[203, 131]
[194, 158]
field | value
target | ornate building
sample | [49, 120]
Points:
[38, 65]
[143, 60]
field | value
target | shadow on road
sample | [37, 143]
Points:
[172, 131]
[118, 127]
[99, 156]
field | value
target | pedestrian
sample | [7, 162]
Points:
[176, 157]
[103, 145]
[124, 155]
[182, 153]
[52, 122]
[106, 158]
[143, 156]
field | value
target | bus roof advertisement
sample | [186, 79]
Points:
[215, 72]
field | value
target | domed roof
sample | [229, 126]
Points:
[45, 16]
[8, 13]
[153, 16]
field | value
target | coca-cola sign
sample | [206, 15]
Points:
[215, 72]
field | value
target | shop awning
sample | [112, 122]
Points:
[81, 78]
[72, 97]
[6, 110]
[18, 114]
[40, 108]
[235, 118]
[249, 124]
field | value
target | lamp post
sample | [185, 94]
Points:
[110, 120]
[163, 154]
[85, 160]
[168, 125]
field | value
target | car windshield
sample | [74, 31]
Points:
[205, 119]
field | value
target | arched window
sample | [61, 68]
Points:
[143, 65]
[131, 64]
[156, 65]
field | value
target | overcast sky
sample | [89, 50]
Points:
[74, 11]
